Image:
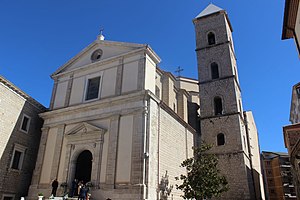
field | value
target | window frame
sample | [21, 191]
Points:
[216, 66]
[96, 55]
[224, 139]
[89, 77]
[27, 125]
[19, 148]
[222, 106]
[207, 37]
[8, 195]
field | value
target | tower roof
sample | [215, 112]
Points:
[210, 9]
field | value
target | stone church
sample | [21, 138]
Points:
[120, 122]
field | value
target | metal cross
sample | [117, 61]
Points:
[179, 69]
[101, 30]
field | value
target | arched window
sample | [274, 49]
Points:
[218, 106]
[211, 38]
[214, 70]
[220, 139]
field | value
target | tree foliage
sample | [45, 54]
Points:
[203, 178]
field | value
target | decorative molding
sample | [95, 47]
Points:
[84, 129]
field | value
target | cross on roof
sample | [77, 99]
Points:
[101, 30]
[178, 70]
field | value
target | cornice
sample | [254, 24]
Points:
[93, 105]
[99, 63]
[19, 92]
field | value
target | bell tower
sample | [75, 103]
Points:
[222, 120]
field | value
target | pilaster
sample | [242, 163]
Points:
[119, 77]
[112, 151]
[57, 151]
[40, 158]
[141, 73]
[53, 93]
[69, 89]
[137, 149]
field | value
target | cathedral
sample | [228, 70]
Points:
[122, 124]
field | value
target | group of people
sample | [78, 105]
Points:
[78, 189]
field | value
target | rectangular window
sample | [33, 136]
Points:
[25, 123]
[157, 91]
[16, 160]
[93, 86]
[17, 157]
[7, 197]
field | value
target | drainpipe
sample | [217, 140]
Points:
[146, 146]
[158, 138]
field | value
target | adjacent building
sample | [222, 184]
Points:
[291, 135]
[20, 131]
[291, 22]
[278, 176]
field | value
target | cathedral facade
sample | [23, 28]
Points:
[123, 125]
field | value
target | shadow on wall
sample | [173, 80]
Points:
[254, 184]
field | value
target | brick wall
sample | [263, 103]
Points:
[12, 108]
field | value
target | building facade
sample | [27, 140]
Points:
[291, 135]
[118, 121]
[278, 176]
[223, 121]
[20, 134]
[291, 22]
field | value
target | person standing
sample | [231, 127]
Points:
[54, 187]
[74, 191]
[80, 184]
[82, 193]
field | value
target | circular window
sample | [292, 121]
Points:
[96, 55]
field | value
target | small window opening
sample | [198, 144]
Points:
[16, 160]
[220, 139]
[214, 70]
[157, 91]
[93, 88]
[96, 55]
[25, 124]
[218, 106]
[298, 91]
[211, 38]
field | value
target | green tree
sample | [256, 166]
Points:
[203, 179]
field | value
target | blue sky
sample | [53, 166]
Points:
[38, 36]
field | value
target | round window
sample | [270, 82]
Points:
[96, 55]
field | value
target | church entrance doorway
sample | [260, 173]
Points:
[84, 166]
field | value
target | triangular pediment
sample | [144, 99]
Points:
[85, 128]
[110, 49]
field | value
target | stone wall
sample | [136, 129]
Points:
[13, 106]
[171, 142]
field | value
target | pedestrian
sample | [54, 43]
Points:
[74, 190]
[54, 187]
[80, 184]
[82, 193]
